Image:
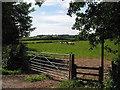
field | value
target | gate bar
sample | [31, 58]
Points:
[52, 71]
[54, 53]
[49, 73]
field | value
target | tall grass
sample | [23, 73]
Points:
[80, 49]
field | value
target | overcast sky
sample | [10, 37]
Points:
[51, 18]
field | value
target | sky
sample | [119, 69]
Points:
[52, 19]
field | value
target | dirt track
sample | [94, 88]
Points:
[17, 81]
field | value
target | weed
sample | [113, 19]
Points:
[36, 78]
[72, 84]
[10, 72]
[78, 83]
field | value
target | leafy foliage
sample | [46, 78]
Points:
[79, 84]
[113, 81]
[16, 21]
[10, 72]
[115, 74]
[36, 78]
[15, 57]
[72, 84]
[99, 21]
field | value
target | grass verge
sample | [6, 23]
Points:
[79, 84]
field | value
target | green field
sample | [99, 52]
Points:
[80, 49]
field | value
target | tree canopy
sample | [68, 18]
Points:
[100, 20]
[16, 21]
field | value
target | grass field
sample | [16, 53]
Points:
[80, 49]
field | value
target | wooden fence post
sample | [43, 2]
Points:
[74, 73]
[100, 76]
[70, 61]
[71, 67]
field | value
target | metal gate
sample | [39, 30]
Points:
[58, 65]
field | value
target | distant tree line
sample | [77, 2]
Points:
[55, 37]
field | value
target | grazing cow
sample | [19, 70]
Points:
[61, 42]
[71, 43]
[66, 42]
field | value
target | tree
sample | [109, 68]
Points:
[100, 21]
[16, 23]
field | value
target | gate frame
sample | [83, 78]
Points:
[74, 72]
[73, 67]
[69, 60]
